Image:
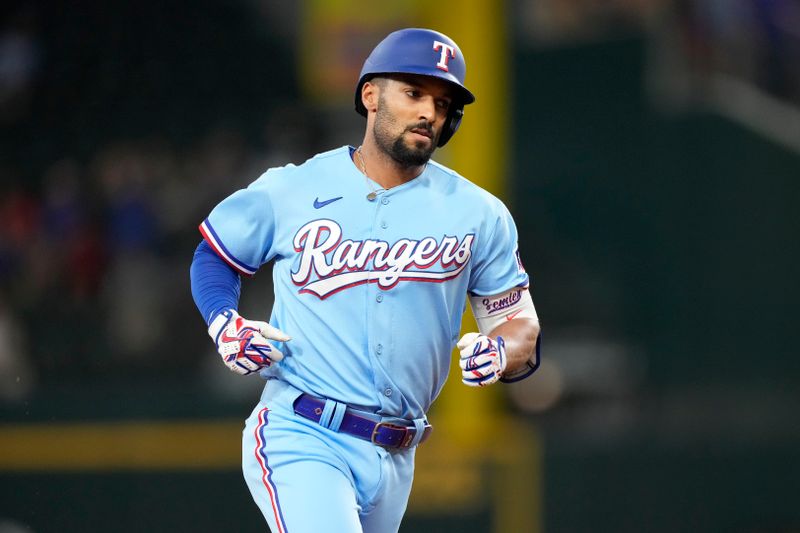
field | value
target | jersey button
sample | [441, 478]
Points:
[379, 298]
[387, 392]
[379, 348]
[384, 225]
[384, 200]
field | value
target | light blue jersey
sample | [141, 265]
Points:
[371, 292]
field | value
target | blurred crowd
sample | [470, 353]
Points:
[114, 150]
[754, 40]
[757, 41]
[94, 260]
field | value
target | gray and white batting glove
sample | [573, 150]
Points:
[243, 343]
[483, 359]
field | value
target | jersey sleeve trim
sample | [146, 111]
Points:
[214, 241]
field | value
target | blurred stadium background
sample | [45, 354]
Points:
[649, 150]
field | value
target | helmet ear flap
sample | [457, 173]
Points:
[450, 126]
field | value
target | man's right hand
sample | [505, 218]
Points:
[243, 343]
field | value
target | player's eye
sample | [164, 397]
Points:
[413, 93]
[443, 104]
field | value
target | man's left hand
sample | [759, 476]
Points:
[483, 359]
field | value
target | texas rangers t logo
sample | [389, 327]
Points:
[341, 264]
[447, 52]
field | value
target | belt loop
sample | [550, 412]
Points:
[419, 426]
[327, 413]
[338, 416]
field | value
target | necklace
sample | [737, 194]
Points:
[363, 168]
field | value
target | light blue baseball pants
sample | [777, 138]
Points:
[306, 478]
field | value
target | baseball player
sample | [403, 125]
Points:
[376, 250]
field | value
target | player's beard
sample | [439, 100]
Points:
[396, 146]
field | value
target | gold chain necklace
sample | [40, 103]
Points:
[362, 166]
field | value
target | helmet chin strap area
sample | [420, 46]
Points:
[451, 125]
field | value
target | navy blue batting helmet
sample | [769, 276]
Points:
[424, 52]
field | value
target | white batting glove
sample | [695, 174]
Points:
[243, 343]
[483, 359]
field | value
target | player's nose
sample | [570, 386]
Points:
[427, 109]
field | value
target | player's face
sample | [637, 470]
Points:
[410, 115]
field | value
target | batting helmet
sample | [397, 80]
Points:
[424, 52]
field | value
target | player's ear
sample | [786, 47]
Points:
[369, 96]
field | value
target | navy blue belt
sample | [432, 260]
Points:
[344, 419]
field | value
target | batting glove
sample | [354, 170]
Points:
[243, 343]
[483, 359]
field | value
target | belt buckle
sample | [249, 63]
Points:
[406, 438]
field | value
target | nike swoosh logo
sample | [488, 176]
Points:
[242, 335]
[512, 315]
[318, 204]
[225, 339]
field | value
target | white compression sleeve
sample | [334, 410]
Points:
[491, 311]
